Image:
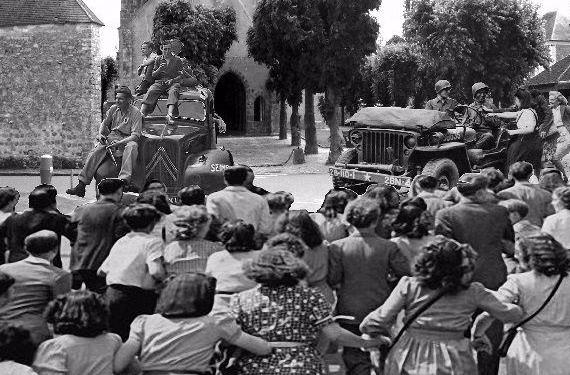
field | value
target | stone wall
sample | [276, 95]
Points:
[51, 90]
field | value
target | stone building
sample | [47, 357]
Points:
[240, 94]
[49, 80]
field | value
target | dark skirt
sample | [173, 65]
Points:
[527, 147]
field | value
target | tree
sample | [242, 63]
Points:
[499, 42]
[280, 38]
[347, 34]
[207, 34]
[394, 74]
[109, 74]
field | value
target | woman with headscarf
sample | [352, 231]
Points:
[557, 134]
[541, 346]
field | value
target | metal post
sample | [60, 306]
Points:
[46, 169]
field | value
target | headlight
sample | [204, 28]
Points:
[410, 141]
[355, 137]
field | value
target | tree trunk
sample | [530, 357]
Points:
[282, 119]
[295, 126]
[311, 146]
[332, 100]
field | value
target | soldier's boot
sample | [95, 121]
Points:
[78, 190]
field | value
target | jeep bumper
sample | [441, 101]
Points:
[379, 178]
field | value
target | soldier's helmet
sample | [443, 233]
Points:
[478, 86]
[442, 85]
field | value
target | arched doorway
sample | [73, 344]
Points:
[229, 100]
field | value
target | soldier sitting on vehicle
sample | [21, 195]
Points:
[120, 130]
[442, 102]
[482, 124]
[145, 69]
[167, 73]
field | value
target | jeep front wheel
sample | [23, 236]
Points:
[444, 170]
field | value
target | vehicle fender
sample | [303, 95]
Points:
[455, 151]
[206, 169]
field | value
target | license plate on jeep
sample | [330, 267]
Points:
[378, 178]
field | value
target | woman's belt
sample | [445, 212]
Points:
[437, 335]
[287, 344]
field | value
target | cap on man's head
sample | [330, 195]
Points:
[478, 86]
[442, 85]
[41, 242]
[472, 184]
[109, 186]
[123, 90]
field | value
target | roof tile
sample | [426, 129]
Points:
[38, 12]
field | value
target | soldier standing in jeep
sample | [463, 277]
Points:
[120, 130]
[442, 102]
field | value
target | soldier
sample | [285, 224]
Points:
[482, 103]
[120, 130]
[442, 102]
[167, 73]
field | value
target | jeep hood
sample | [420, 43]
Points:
[401, 119]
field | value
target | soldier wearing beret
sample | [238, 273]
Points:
[119, 133]
[442, 102]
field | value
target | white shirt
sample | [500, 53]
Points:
[129, 259]
[226, 267]
[558, 226]
[557, 116]
[236, 202]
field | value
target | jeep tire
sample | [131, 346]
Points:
[444, 170]
[348, 156]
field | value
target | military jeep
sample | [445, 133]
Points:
[179, 154]
[389, 145]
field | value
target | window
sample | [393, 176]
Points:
[258, 105]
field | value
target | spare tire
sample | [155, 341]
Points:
[444, 170]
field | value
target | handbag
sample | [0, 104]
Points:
[511, 333]
[385, 350]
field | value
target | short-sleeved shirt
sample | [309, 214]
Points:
[181, 344]
[126, 124]
[14, 368]
[558, 226]
[285, 313]
[227, 268]
[127, 263]
[174, 68]
[452, 312]
[69, 354]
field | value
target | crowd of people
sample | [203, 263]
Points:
[237, 282]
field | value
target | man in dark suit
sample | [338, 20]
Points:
[487, 228]
[37, 282]
[99, 225]
[358, 270]
[539, 201]
[43, 214]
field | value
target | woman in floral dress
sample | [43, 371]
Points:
[288, 315]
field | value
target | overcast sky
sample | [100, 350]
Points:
[390, 17]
